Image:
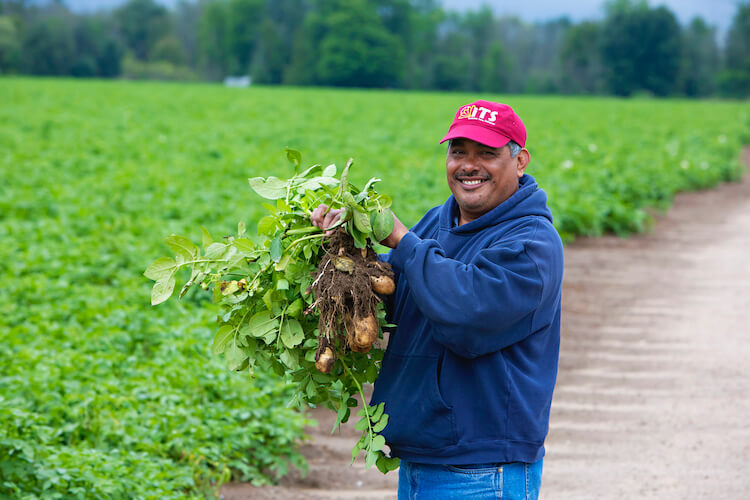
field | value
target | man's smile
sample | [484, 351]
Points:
[471, 182]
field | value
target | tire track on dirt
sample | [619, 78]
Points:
[651, 399]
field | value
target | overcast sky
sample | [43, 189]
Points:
[716, 12]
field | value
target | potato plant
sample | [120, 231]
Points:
[270, 319]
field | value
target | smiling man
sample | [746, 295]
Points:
[468, 373]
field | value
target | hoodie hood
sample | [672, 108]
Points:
[529, 199]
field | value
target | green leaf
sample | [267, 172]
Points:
[308, 171]
[276, 249]
[378, 442]
[316, 182]
[381, 423]
[270, 337]
[271, 188]
[228, 287]
[222, 337]
[375, 416]
[386, 464]
[291, 333]
[282, 284]
[235, 356]
[268, 299]
[311, 389]
[329, 171]
[262, 323]
[382, 224]
[162, 290]
[370, 460]
[355, 451]
[294, 308]
[362, 221]
[362, 425]
[160, 269]
[342, 415]
[215, 250]
[289, 358]
[241, 229]
[384, 201]
[360, 240]
[344, 186]
[207, 240]
[267, 225]
[349, 199]
[244, 245]
[282, 263]
[182, 246]
[294, 156]
[369, 184]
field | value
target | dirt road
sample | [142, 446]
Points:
[653, 393]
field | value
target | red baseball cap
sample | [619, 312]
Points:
[490, 123]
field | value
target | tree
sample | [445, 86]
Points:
[358, 51]
[141, 24]
[735, 79]
[169, 49]
[49, 46]
[10, 45]
[228, 34]
[641, 48]
[580, 56]
[496, 68]
[700, 60]
[269, 58]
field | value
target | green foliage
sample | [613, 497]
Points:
[641, 49]
[155, 70]
[10, 45]
[100, 387]
[634, 50]
[268, 318]
[142, 23]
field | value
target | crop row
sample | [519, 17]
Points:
[103, 396]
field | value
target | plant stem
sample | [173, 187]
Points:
[308, 237]
[361, 393]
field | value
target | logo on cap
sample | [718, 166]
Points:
[480, 113]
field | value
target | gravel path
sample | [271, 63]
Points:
[652, 394]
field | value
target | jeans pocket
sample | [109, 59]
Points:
[474, 470]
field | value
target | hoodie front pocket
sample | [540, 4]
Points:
[418, 415]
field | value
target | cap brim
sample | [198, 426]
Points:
[478, 134]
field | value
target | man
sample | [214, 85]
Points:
[468, 374]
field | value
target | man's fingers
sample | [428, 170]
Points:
[317, 216]
[331, 218]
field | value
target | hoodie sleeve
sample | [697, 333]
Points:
[475, 308]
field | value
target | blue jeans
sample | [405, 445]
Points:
[514, 481]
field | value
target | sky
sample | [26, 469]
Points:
[716, 12]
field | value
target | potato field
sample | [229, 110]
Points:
[103, 395]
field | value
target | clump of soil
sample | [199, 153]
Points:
[345, 295]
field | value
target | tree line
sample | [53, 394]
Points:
[405, 44]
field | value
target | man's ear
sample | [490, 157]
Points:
[522, 161]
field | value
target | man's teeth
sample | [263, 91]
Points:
[471, 183]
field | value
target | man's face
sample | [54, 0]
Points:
[481, 177]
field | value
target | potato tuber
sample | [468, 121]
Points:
[382, 285]
[325, 361]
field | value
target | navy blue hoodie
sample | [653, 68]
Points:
[468, 373]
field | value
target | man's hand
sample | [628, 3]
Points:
[324, 218]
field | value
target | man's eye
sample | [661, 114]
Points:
[488, 153]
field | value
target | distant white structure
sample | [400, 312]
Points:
[237, 81]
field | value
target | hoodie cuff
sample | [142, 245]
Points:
[404, 250]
